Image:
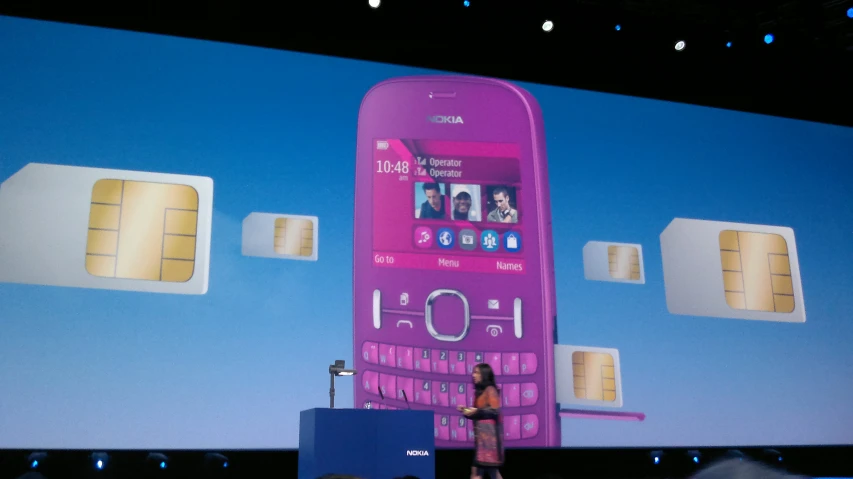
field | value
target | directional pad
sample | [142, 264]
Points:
[441, 312]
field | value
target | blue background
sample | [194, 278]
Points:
[276, 131]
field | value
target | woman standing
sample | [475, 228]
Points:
[488, 430]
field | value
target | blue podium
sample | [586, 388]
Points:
[366, 443]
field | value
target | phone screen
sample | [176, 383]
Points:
[448, 206]
[455, 282]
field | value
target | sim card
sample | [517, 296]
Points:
[587, 376]
[106, 229]
[617, 262]
[732, 270]
[269, 235]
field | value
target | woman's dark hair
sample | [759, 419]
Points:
[487, 377]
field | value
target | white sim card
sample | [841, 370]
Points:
[588, 376]
[732, 270]
[106, 229]
[270, 235]
[617, 262]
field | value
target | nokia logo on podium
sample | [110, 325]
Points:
[445, 119]
[417, 453]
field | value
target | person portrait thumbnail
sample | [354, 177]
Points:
[466, 202]
[502, 205]
[431, 198]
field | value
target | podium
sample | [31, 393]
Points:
[366, 443]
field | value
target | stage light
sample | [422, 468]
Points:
[338, 369]
[374, 3]
[657, 457]
[850, 12]
[618, 27]
[466, 3]
[156, 460]
[100, 460]
[37, 460]
[768, 39]
[728, 44]
[548, 25]
[215, 461]
[680, 45]
[695, 456]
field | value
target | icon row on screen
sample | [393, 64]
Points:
[467, 239]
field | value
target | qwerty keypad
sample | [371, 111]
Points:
[455, 390]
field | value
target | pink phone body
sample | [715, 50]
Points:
[453, 255]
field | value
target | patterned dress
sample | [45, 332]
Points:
[488, 429]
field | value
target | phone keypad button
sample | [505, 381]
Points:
[388, 383]
[422, 360]
[473, 359]
[440, 361]
[511, 395]
[509, 364]
[457, 395]
[457, 362]
[529, 426]
[529, 394]
[404, 357]
[494, 360]
[423, 395]
[387, 355]
[512, 428]
[528, 363]
[370, 352]
[442, 427]
[440, 394]
[459, 432]
[370, 381]
[407, 385]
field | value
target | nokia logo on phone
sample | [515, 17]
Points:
[417, 453]
[445, 119]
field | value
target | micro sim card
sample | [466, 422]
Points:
[269, 235]
[588, 376]
[106, 229]
[618, 262]
[732, 270]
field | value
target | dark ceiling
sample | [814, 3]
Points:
[805, 73]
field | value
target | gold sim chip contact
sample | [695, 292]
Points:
[613, 262]
[624, 262]
[121, 230]
[732, 270]
[594, 377]
[756, 271]
[588, 376]
[142, 230]
[282, 236]
[294, 237]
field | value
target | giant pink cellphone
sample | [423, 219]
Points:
[445, 275]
